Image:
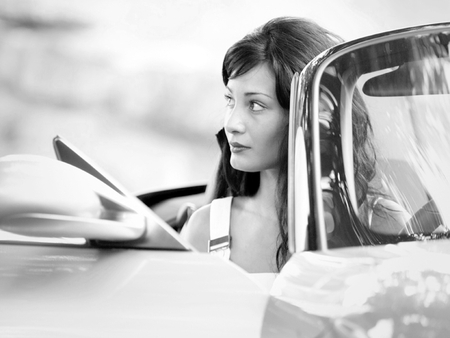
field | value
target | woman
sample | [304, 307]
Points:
[250, 227]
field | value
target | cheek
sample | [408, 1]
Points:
[271, 141]
[276, 134]
[276, 139]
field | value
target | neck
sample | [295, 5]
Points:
[267, 191]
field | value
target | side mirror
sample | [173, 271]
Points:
[42, 197]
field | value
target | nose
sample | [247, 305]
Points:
[234, 122]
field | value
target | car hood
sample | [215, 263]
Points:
[380, 291]
[83, 292]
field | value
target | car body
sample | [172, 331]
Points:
[367, 230]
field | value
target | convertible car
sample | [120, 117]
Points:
[368, 221]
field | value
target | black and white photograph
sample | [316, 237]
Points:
[212, 168]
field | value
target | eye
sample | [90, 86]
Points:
[256, 106]
[229, 100]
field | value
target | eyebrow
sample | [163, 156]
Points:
[251, 93]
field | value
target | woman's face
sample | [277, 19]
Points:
[254, 122]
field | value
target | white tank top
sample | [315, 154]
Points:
[220, 217]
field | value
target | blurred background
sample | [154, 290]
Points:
[136, 84]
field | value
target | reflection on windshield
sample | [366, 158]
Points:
[406, 96]
[411, 135]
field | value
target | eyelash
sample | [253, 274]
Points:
[228, 98]
[252, 104]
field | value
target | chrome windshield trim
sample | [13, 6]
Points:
[313, 72]
[291, 162]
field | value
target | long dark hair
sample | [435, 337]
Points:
[287, 45]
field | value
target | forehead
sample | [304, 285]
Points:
[259, 79]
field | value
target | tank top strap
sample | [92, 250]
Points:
[220, 217]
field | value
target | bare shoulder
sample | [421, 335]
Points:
[196, 231]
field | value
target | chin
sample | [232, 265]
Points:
[246, 167]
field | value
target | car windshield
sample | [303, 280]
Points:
[391, 168]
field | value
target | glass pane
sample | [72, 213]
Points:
[413, 161]
[397, 94]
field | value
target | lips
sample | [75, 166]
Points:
[236, 147]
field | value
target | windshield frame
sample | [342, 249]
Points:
[306, 116]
